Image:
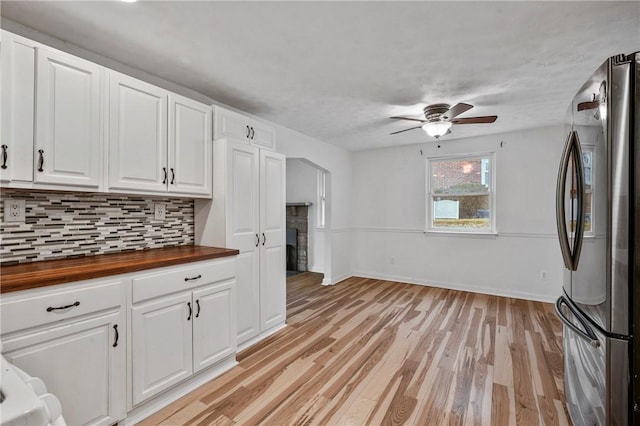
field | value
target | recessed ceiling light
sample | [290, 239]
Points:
[129, 1]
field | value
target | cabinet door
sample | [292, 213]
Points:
[229, 124]
[68, 143]
[263, 136]
[214, 333]
[243, 221]
[82, 364]
[273, 244]
[137, 135]
[190, 156]
[161, 345]
[18, 74]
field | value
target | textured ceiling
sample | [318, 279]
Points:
[337, 70]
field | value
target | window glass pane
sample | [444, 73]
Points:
[587, 212]
[322, 185]
[460, 176]
[587, 163]
[462, 211]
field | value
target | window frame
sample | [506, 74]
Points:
[322, 199]
[429, 209]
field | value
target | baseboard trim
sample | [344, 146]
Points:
[459, 286]
[260, 337]
[334, 281]
[157, 403]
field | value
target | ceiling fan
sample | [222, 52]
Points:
[438, 119]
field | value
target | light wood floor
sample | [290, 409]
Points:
[370, 352]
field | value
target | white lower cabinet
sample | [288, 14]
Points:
[162, 341]
[77, 338]
[78, 347]
[213, 325]
[182, 321]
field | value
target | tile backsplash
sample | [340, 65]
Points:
[72, 224]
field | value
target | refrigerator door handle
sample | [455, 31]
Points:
[587, 334]
[579, 232]
[560, 203]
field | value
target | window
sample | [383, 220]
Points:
[460, 194]
[322, 201]
[587, 162]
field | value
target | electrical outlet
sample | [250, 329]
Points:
[160, 211]
[392, 260]
[14, 210]
[543, 275]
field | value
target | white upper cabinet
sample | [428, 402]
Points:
[137, 135]
[159, 142]
[229, 124]
[190, 143]
[70, 124]
[68, 148]
[17, 88]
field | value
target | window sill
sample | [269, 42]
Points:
[487, 234]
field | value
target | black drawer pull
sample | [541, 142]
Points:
[164, 179]
[60, 308]
[253, 132]
[248, 131]
[198, 305]
[173, 176]
[115, 328]
[190, 311]
[4, 157]
[197, 277]
[41, 161]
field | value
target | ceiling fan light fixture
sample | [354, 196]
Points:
[436, 128]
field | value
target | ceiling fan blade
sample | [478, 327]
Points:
[405, 130]
[588, 105]
[475, 120]
[422, 120]
[456, 110]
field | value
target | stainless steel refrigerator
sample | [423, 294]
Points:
[598, 218]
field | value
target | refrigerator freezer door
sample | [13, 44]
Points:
[596, 379]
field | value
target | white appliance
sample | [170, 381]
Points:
[24, 400]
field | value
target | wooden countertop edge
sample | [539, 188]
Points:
[97, 267]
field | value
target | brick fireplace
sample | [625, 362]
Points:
[298, 228]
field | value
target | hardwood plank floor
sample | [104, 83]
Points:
[369, 352]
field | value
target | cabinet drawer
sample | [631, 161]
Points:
[43, 307]
[172, 280]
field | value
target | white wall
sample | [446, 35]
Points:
[302, 186]
[337, 162]
[389, 218]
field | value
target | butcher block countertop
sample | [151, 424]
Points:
[41, 274]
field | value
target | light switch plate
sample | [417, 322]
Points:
[14, 210]
[160, 211]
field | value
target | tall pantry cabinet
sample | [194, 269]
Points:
[247, 213]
